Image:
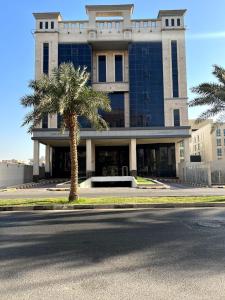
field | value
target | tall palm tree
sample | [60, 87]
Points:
[212, 95]
[66, 92]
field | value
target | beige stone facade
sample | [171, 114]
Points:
[111, 37]
[208, 140]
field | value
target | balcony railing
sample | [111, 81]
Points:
[139, 25]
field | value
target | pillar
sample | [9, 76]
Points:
[36, 161]
[89, 159]
[177, 154]
[47, 161]
[133, 157]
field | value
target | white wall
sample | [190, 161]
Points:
[15, 174]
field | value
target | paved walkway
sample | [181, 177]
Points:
[136, 254]
[175, 190]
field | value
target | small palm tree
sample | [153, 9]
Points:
[212, 95]
[66, 92]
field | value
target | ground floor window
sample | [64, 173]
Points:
[61, 162]
[156, 160]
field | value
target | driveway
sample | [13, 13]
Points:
[133, 254]
[175, 190]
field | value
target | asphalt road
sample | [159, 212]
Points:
[133, 254]
[175, 190]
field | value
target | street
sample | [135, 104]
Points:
[125, 254]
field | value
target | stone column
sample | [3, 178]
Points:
[36, 161]
[133, 157]
[47, 161]
[89, 159]
[177, 154]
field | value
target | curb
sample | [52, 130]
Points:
[108, 206]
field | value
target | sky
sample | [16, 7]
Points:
[205, 46]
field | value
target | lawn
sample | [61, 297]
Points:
[145, 181]
[112, 200]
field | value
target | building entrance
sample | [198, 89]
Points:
[112, 161]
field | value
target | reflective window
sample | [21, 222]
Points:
[45, 58]
[176, 117]
[118, 68]
[102, 68]
[218, 132]
[218, 142]
[115, 118]
[219, 152]
[45, 121]
[79, 55]
[146, 84]
[174, 69]
[59, 120]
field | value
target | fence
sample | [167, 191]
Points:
[15, 174]
[204, 174]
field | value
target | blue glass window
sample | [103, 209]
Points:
[41, 25]
[45, 58]
[45, 121]
[102, 68]
[167, 22]
[146, 84]
[175, 69]
[176, 117]
[59, 120]
[118, 68]
[79, 55]
[115, 118]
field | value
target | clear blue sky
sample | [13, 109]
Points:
[205, 47]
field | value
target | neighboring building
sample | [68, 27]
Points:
[141, 63]
[208, 140]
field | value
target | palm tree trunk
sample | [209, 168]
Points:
[73, 128]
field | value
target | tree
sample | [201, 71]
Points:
[66, 92]
[212, 95]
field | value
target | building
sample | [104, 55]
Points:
[208, 140]
[141, 63]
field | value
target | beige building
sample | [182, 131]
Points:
[207, 140]
[141, 63]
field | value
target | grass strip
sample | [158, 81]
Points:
[112, 200]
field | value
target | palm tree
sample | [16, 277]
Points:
[212, 95]
[66, 92]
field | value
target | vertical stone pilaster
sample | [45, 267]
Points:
[133, 157]
[127, 109]
[89, 159]
[36, 161]
[47, 161]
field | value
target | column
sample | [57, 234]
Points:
[47, 161]
[36, 161]
[89, 159]
[177, 153]
[133, 157]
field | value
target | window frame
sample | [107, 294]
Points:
[106, 67]
[176, 109]
[114, 66]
